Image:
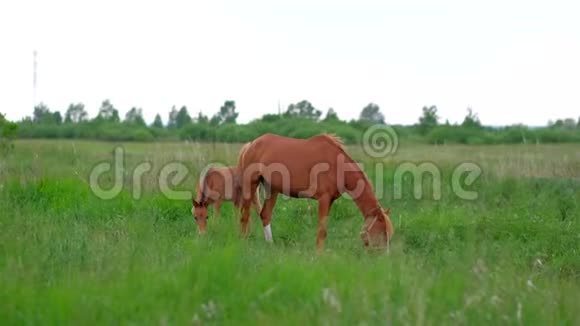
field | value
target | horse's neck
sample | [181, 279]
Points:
[365, 199]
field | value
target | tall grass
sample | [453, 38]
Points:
[67, 257]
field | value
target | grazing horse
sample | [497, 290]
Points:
[316, 168]
[214, 187]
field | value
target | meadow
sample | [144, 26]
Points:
[68, 257]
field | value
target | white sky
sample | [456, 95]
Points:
[513, 62]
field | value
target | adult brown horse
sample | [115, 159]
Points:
[316, 168]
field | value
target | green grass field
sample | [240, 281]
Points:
[512, 256]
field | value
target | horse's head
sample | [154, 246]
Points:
[200, 214]
[377, 229]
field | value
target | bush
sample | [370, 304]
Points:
[7, 133]
[350, 132]
[458, 135]
[142, 134]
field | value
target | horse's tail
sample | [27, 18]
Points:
[242, 153]
[238, 171]
[240, 174]
[256, 201]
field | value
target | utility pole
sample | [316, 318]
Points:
[34, 79]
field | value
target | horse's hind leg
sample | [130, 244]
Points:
[249, 184]
[246, 205]
[266, 214]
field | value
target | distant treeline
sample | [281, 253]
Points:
[300, 120]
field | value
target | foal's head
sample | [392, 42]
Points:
[200, 214]
[377, 229]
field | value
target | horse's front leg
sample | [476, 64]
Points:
[216, 209]
[266, 214]
[324, 204]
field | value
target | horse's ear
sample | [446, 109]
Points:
[195, 204]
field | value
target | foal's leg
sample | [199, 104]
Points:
[216, 209]
[266, 214]
[324, 204]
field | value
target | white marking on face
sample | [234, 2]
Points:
[268, 233]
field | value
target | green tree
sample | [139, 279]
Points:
[41, 111]
[429, 119]
[471, 120]
[135, 117]
[42, 115]
[569, 123]
[108, 113]
[556, 124]
[303, 109]
[76, 113]
[372, 114]
[226, 114]
[202, 118]
[57, 117]
[331, 115]
[172, 120]
[180, 118]
[157, 122]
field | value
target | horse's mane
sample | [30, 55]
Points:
[334, 139]
[337, 141]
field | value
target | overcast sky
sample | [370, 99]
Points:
[512, 61]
